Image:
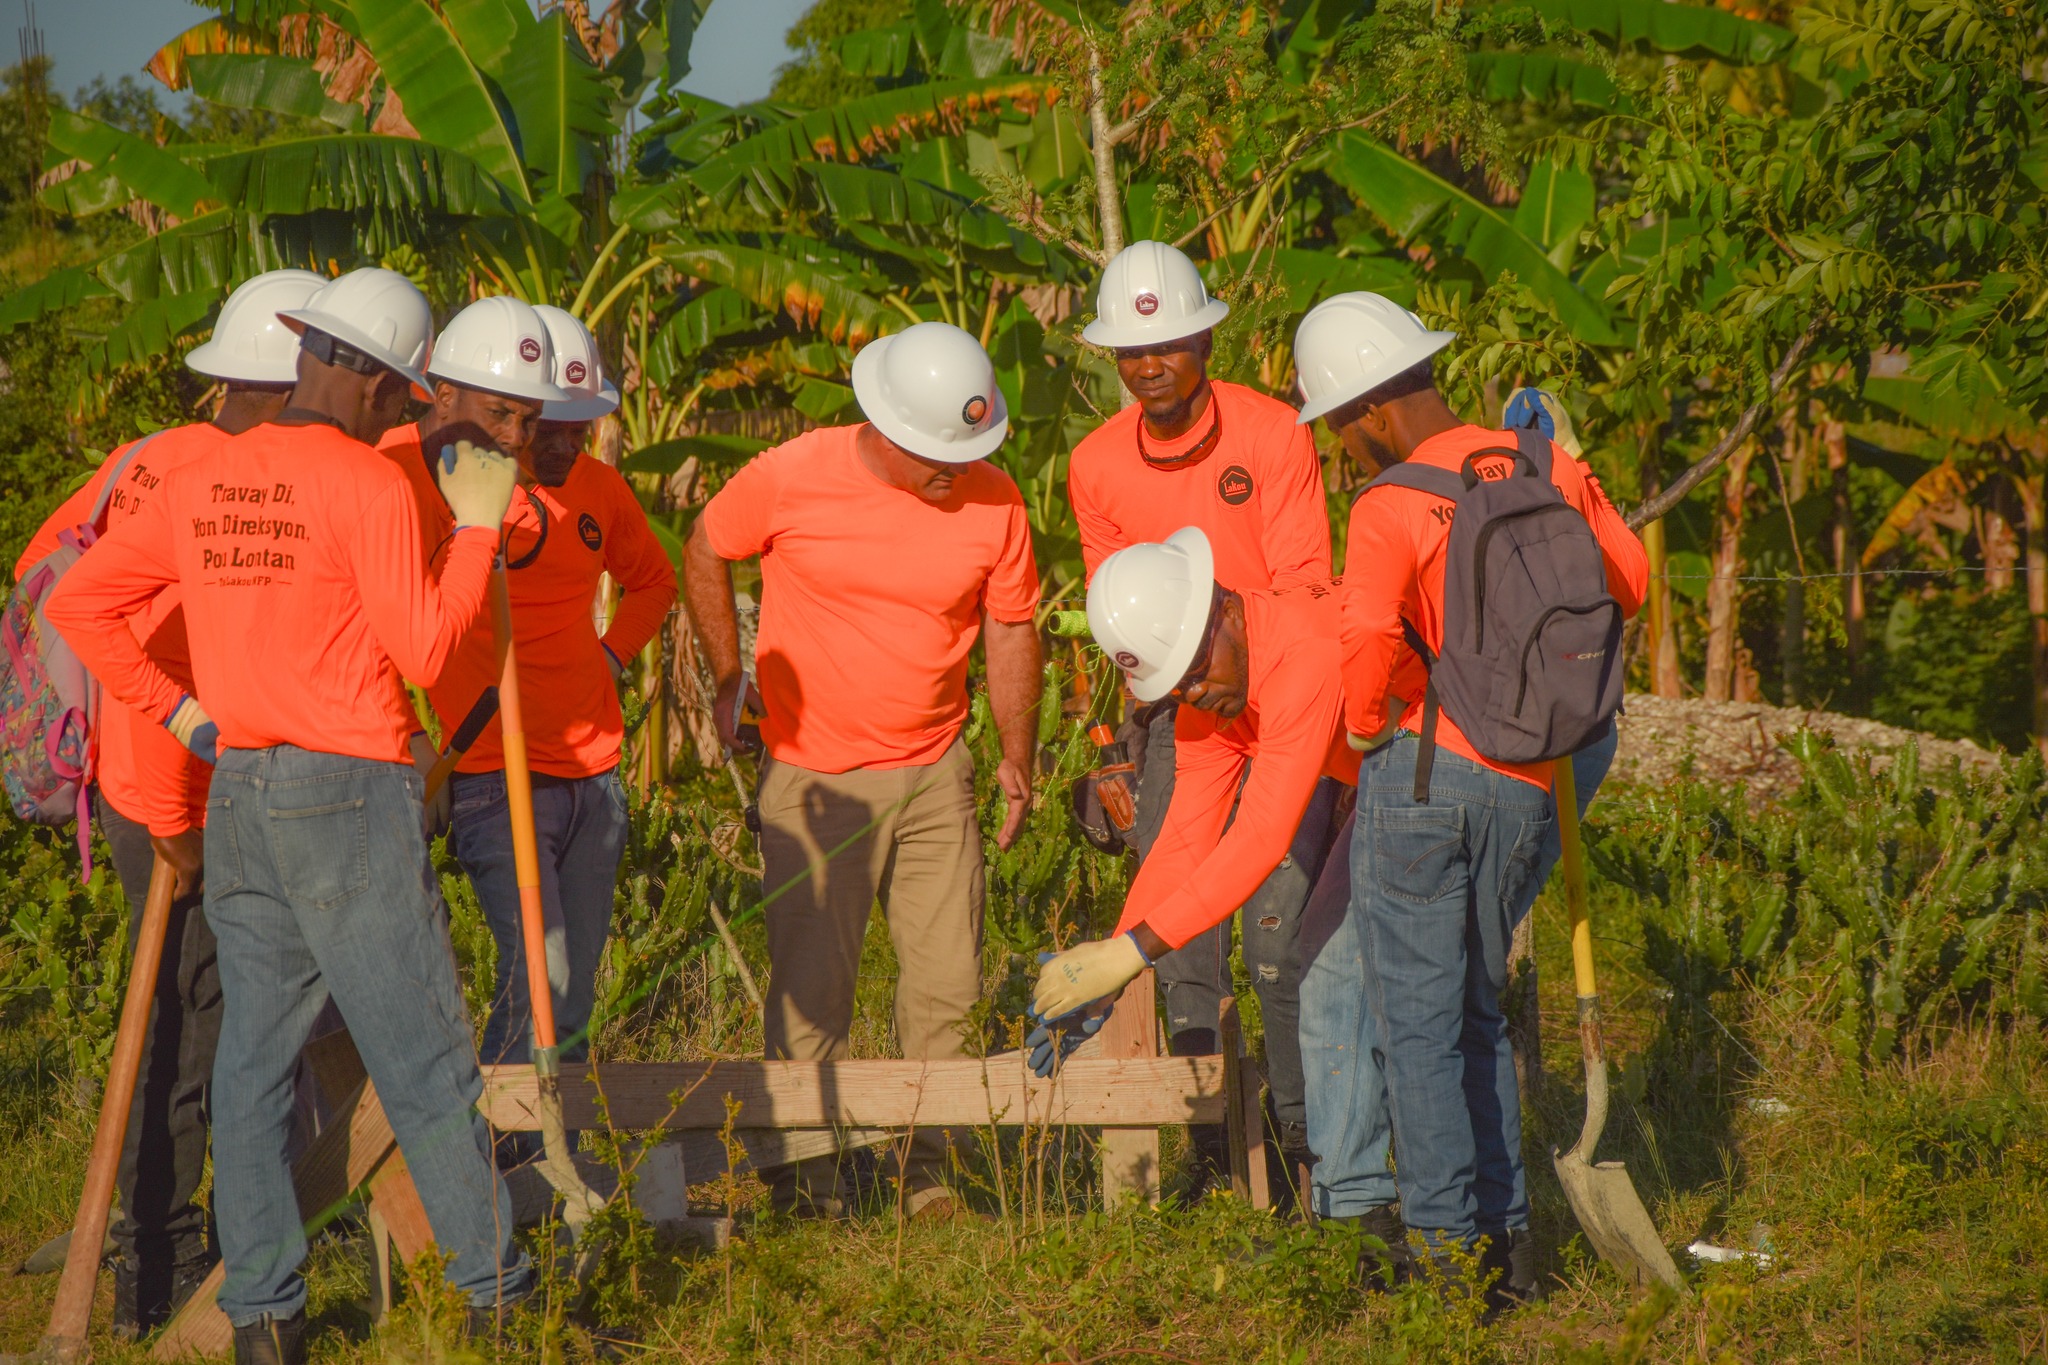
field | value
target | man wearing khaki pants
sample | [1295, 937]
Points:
[885, 548]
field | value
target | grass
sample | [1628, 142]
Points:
[1904, 1201]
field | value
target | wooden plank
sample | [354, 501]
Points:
[341, 1159]
[870, 1094]
[1246, 1126]
[1130, 1154]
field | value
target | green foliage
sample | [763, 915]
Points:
[64, 948]
[1904, 907]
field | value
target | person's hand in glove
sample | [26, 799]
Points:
[1054, 1041]
[440, 805]
[1086, 973]
[476, 480]
[192, 727]
[1542, 410]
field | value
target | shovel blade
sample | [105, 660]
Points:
[1605, 1202]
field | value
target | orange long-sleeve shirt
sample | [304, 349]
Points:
[1293, 725]
[307, 594]
[1401, 533]
[595, 525]
[140, 770]
[1258, 495]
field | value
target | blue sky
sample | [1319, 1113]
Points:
[735, 56]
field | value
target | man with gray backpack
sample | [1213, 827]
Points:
[1493, 557]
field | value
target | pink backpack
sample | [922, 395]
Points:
[49, 703]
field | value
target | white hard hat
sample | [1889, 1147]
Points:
[578, 369]
[931, 389]
[379, 312]
[1350, 344]
[1148, 607]
[1151, 293]
[250, 342]
[498, 345]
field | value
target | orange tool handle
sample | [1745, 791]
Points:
[519, 796]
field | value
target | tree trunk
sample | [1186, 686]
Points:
[1848, 560]
[2034, 502]
[1792, 644]
[1109, 205]
[1658, 627]
[1724, 593]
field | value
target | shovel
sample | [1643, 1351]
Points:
[64, 1340]
[579, 1201]
[1603, 1198]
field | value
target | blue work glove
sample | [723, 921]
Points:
[1545, 412]
[192, 727]
[1054, 1041]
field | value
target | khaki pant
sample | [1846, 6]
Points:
[831, 845]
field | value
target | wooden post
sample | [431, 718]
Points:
[1130, 1156]
[1246, 1125]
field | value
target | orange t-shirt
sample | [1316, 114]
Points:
[140, 770]
[1401, 533]
[870, 598]
[1293, 724]
[1258, 495]
[595, 526]
[307, 595]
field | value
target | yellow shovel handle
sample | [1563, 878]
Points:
[1567, 795]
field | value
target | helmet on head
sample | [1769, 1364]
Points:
[1148, 607]
[1350, 344]
[250, 343]
[932, 390]
[578, 369]
[1150, 293]
[498, 345]
[378, 312]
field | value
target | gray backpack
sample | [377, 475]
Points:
[1531, 662]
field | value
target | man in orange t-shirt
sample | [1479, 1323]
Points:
[150, 799]
[307, 602]
[1192, 451]
[885, 548]
[578, 521]
[1447, 876]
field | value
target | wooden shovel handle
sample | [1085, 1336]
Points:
[1591, 1044]
[71, 1314]
[519, 797]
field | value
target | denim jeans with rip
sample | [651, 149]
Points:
[318, 882]
[1435, 887]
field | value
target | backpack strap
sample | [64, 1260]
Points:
[99, 506]
[1425, 758]
[1423, 478]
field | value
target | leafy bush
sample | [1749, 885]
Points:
[1907, 905]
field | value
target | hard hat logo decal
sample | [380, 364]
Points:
[588, 532]
[974, 410]
[1235, 485]
[576, 372]
[1126, 659]
[1146, 303]
[529, 350]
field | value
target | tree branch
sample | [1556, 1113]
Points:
[1108, 204]
[1122, 132]
[1744, 427]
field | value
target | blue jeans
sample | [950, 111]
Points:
[1347, 1093]
[318, 883]
[1438, 885]
[579, 825]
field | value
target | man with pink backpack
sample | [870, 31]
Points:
[72, 750]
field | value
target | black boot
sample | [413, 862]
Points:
[1510, 1258]
[1391, 1263]
[1297, 1164]
[272, 1341]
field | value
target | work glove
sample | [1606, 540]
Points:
[1086, 973]
[476, 482]
[1053, 1042]
[1542, 410]
[192, 727]
[439, 808]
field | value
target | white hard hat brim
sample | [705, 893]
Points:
[1203, 319]
[1330, 402]
[214, 360]
[299, 319]
[867, 364]
[584, 407]
[1194, 543]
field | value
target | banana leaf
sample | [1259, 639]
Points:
[814, 296]
[562, 103]
[1542, 76]
[666, 457]
[151, 330]
[1662, 26]
[282, 85]
[144, 169]
[354, 171]
[444, 95]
